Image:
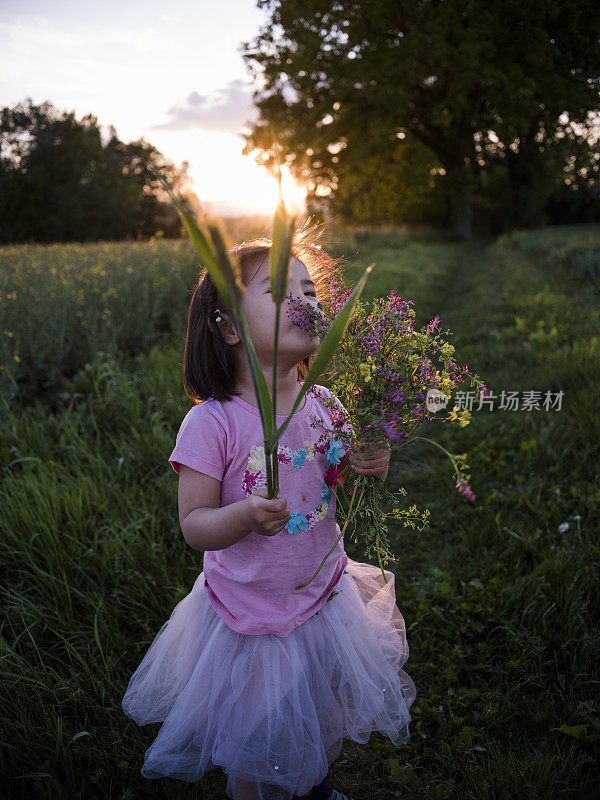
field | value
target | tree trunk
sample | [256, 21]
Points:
[531, 183]
[458, 186]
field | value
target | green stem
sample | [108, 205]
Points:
[379, 556]
[425, 439]
[275, 489]
[267, 419]
[268, 468]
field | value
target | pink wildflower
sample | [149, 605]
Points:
[464, 488]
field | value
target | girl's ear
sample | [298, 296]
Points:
[228, 331]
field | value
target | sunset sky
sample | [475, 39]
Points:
[170, 72]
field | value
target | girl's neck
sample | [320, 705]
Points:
[284, 403]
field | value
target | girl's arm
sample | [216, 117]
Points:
[206, 526]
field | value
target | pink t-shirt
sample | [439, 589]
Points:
[251, 584]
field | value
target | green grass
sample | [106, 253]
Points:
[501, 608]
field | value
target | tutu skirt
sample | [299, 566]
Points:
[272, 711]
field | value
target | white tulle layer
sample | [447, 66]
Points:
[272, 711]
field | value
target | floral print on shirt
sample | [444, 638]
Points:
[255, 477]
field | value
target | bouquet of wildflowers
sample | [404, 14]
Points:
[391, 379]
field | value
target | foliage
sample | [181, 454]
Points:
[404, 185]
[60, 182]
[475, 83]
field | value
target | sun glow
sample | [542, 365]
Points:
[221, 174]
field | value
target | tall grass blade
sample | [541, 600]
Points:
[263, 396]
[230, 266]
[283, 232]
[219, 270]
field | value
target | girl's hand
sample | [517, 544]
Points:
[371, 462]
[265, 516]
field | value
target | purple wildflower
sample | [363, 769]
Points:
[302, 314]
[434, 324]
[391, 431]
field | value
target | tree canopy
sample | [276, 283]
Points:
[60, 182]
[498, 94]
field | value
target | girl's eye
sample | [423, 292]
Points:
[312, 294]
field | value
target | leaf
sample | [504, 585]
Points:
[329, 345]
[35, 775]
[231, 271]
[279, 264]
[224, 281]
[79, 735]
[576, 731]
[227, 278]
[263, 396]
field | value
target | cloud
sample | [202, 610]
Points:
[226, 110]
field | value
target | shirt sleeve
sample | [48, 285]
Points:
[201, 443]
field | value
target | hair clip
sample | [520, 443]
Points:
[218, 311]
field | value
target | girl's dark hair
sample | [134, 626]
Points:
[208, 366]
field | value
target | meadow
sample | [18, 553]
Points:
[501, 598]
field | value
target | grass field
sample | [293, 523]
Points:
[502, 607]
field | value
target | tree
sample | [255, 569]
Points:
[474, 82]
[59, 182]
[398, 186]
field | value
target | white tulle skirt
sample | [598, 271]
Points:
[272, 711]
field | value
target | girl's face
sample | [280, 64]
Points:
[294, 343]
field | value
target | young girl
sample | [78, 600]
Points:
[250, 674]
